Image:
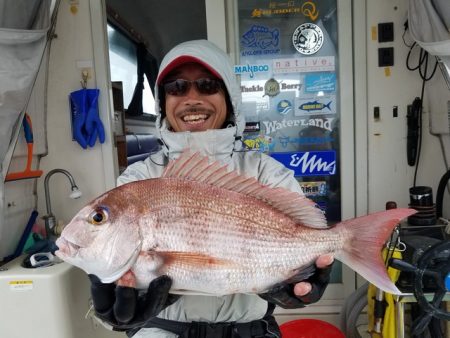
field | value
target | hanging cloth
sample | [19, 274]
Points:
[429, 26]
[146, 64]
[23, 34]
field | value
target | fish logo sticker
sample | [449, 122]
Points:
[315, 106]
[284, 107]
[309, 163]
[260, 38]
[307, 38]
[322, 82]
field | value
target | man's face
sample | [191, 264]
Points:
[193, 110]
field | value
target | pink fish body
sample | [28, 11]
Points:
[216, 232]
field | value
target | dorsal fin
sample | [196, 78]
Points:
[196, 167]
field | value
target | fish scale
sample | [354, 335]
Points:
[217, 232]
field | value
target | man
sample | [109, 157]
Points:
[198, 100]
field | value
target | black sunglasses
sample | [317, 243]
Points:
[205, 86]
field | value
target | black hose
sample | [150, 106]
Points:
[440, 193]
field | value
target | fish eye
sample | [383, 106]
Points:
[99, 216]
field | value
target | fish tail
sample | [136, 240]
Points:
[365, 237]
[328, 105]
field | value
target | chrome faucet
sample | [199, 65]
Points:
[50, 220]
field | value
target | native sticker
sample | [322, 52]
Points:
[303, 65]
[307, 38]
[271, 88]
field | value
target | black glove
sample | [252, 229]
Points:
[283, 295]
[123, 308]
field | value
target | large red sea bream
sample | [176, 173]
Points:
[216, 232]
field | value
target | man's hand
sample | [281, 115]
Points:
[123, 308]
[323, 262]
[297, 295]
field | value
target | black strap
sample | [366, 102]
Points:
[265, 327]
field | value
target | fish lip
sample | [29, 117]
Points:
[66, 248]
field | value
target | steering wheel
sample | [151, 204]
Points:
[434, 263]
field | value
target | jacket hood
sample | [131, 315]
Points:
[215, 60]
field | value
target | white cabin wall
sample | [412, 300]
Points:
[71, 49]
[389, 176]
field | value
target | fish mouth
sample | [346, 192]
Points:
[66, 248]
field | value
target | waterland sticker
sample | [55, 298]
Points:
[273, 126]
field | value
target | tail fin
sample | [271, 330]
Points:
[365, 239]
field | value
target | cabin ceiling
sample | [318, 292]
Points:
[160, 24]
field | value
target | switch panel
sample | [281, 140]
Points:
[385, 57]
[386, 32]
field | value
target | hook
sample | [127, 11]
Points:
[84, 77]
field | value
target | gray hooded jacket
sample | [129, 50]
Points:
[220, 144]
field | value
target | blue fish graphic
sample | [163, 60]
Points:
[261, 37]
[315, 105]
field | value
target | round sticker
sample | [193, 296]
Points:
[271, 88]
[307, 38]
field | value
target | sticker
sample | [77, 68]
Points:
[322, 82]
[21, 285]
[260, 38]
[283, 104]
[312, 189]
[287, 140]
[252, 89]
[261, 143]
[291, 86]
[310, 163]
[307, 38]
[303, 65]
[250, 69]
[252, 126]
[309, 10]
[315, 106]
[271, 88]
[273, 126]
[284, 107]
[286, 7]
